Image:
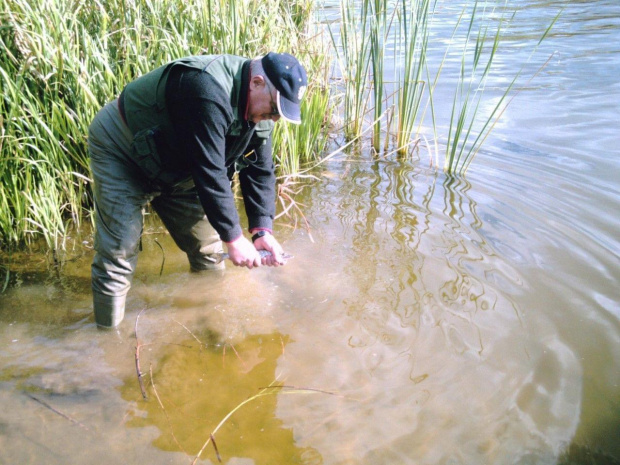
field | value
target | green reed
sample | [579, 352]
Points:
[352, 53]
[376, 11]
[415, 19]
[366, 28]
[62, 60]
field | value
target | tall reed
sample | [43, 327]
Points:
[376, 11]
[416, 18]
[62, 60]
[352, 54]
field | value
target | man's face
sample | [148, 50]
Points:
[262, 101]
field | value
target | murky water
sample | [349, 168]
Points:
[430, 321]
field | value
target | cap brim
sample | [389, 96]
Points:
[289, 111]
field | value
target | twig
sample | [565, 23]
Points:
[163, 259]
[254, 397]
[295, 205]
[302, 389]
[191, 334]
[124, 419]
[138, 345]
[169, 344]
[217, 452]
[386, 154]
[58, 412]
[265, 391]
[237, 354]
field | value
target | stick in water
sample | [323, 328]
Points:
[58, 412]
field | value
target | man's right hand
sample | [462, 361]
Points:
[243, 253]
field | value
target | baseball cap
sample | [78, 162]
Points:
[290, 80]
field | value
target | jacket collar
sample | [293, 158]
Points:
[242, 107]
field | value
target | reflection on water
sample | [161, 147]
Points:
[453, 321]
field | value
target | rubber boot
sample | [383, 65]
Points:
[109, 310]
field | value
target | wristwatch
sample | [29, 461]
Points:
[260, 233]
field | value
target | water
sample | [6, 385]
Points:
[431, 321]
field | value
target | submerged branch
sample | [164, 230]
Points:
[225, 419]
[264, 391]
[58, 412]
[163, 258]
[202, 344]
[217, 452]
[236, 353]
[301, 389]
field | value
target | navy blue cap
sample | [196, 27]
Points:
[290, 80]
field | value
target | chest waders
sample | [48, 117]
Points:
[126, 162]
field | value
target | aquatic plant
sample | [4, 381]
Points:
[297, 145]
[352, 53]
[414, 39]
[376, 11]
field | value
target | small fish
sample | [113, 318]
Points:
[220, 257]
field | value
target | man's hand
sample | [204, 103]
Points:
[243, 253]
[269, 243]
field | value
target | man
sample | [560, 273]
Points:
[174, 138]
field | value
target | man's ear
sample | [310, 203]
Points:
[257, 81]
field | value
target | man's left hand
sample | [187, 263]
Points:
[271, 244]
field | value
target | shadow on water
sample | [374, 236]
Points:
[192, 386]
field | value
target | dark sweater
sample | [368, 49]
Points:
[201, 115]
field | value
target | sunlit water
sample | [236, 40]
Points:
[425, 321]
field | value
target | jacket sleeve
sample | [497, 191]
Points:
[201, 114]
[258, 184]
